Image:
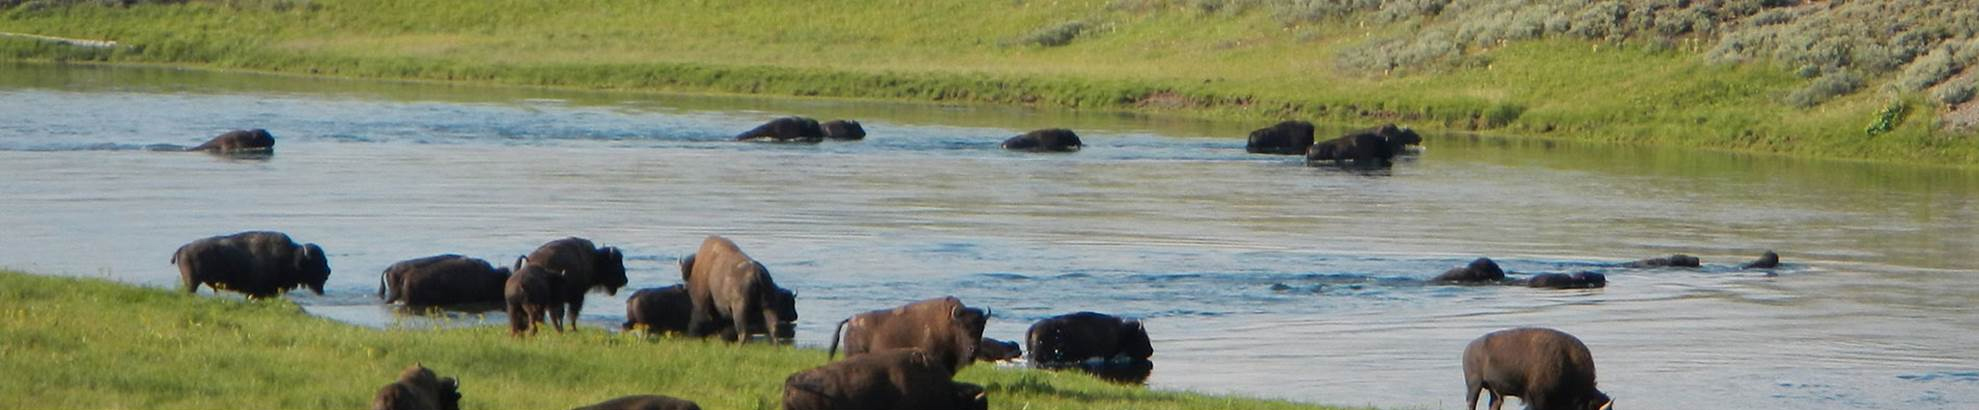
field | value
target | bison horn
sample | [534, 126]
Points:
[1610, 405]
[984, 395]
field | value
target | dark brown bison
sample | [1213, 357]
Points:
[1045, 140]
[529, 294]
[1482, 270]
[1368, 148]
[786, 129]
[1678, 261]
[1284, 138]
[1090, 341]
[1769, 260]
[444, 280]
[905, 379]
[254, 140]
[418, 388]
[667, 309]
[584, 266]
[942, 327]
[843, 130]
[1547, 369]
[643, 402]
[992, 350]
[257, 263]
[1578, 280]
[727, 286]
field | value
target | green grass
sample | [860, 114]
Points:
[1244, 63]
[88, 343]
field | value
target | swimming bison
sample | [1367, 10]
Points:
[786, 129]
[418, 388]
[905, 379]
[1479, 271]
[1547, 369]
[1105, 345]
[1045, 140]
[584, 266]
[847, 130]
[443, 280]
[1577, 280]
[238, 141]
[257, 263]
[1368, 148]
[942, 327]
[1284, 138]
[727, 286]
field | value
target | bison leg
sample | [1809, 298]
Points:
[576, 304]
[770, 320]
[1470, 394]
[1497, 400]
[518, 319]
[556, 313]
[697, 320]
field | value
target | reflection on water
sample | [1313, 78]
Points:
[1255, 274]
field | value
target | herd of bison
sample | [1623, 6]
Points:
[899, 358]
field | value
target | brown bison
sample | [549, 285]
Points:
[1368, 148]
[529, 294]
[667, 309]
[418, 389]
[584, 266]
[1547, 369]
[727, 286]
[992, 350]
[1578, 280]
[643, 402]
[1090, 341]
[942, 327]
[1482, 270]
[905, 379]
[1284, 138]
[843, 130]
[797, 129]
[254, 140]
[257, 263]
[444, 280]
[1769, 260]
[1677, 261]
[1045, 140]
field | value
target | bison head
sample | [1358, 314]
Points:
[1597, 401]
[1134, 340]
[970, 397]
[785, 304]
[449, 394]
[610, 270]
[312, 267]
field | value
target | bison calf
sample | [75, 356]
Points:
[418, 388]
[905, 379]
[942, 327]
[992, 350]
[257, 263]
[443, 280]
[529, 294]
[1547, 369]
[643, 402]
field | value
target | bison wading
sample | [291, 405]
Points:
[584, 266]
[727, 286]
[529, 294]
[443, 280]
[667, 310]
[1547, 369]
[256, 263]
[942, 327]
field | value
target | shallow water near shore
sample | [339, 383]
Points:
[1255, 274]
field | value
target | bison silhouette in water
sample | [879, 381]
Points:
[1107, 346]
[1769, 260]
[941, 327]
[239, 141]
[901, 379]
[1045, 140]
[256, 263]
[1577, 280]
[1284, 138]
[1479, 271]
[788, 129]
[418, 388]
[845, 130]
[1547, 369]
[1368, 148]
[442, 280]
[1674, 261]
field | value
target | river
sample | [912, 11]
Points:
[1255, 275]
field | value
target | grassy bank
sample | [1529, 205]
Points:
[1254, 59]
[85, 343]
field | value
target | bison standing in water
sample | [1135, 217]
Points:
[726, 286]
[668, 310]
[257, 263]
[942, 327]
[1104, 345]
[902, 379]
[443, 280]
[530, 294]
[583, 266]
[1547, 369]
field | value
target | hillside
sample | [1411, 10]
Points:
[1885, 80]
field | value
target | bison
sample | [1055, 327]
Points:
[444, 280]
[256, 263]
[1090, 341]
[843, 130]
[1285, 138]
[531, 292]
[726, 285]
[1368, 148]
[643, 402]
[942, 327]
[1677, 261]
[1547, 369]
[904, 379]
[1045, 140]
[1578, 280]
[418, 388]
[1481, 270]
[799, 129]
[992, 350]
[239, 141]
[667, 309]
[1769, 260]
[584, 266]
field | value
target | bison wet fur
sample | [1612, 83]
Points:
[1368, 148]
[904, 379]
[1284, 138]
[418, 388]
[584, 266]
[1675, 261]
[643, 402]
[1479, 271]
[1547, 369]
[444, 280]
[942, 327]
[531, 293]
[727, 286]
[1577, 280]
[798, 129]
[1045, 140]
[256, 263]
[1068, 339]
[847, 130]
[254, 140]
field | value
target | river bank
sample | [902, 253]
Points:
[1248, 65]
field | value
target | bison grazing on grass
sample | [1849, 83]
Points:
[1547, 369]
[443, 280]
[942, 327]
[418, 388]
[643, 402]
[257, 263]
[905, 379]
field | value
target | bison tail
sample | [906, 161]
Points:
[834, 338]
